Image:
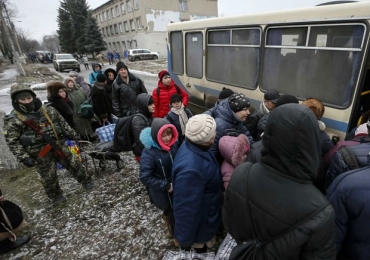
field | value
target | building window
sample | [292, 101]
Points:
[126, 26]
[120, 28]
[132, 25]
[114, 46]
[111, 30]
[105, 16]
[119, 47]
[110, 46]
[107, 30]
[117, 10]
[103, 32]
[124, 45]
[113, 12]
[138, 23]
[136, 4]
[100, 17]
[129, 6]
[123, 8]
[134, 44]
[116, 29]
[183, 5]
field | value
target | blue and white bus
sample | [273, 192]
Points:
[320, 52]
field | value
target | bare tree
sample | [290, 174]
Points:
[27, 45]
[51, 42]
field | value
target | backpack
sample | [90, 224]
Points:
[123, 136]
[86, 109]
[348, 157]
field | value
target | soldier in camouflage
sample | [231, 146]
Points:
[25, 131]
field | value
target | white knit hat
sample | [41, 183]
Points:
[200, 128]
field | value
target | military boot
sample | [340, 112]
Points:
[7, 245]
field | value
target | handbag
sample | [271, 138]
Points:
[254, 249]
[106, 132]
[74, 148]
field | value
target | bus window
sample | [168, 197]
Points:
[177, 53]
[325, 66]
[233, 46]
[194, 54]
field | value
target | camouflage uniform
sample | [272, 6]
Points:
[25, 143]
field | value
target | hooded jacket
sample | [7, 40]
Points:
[233, 150]
[124, 95]
[227, 124]
[94, 74]
[265, 199]
[65, 106]
[156, 162]
[102, 104]
[139, 123]
[109, 85]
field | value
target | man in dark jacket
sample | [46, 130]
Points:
[111, 75]
[101, 103]
[143, 119]
[126, 88]
[339, 164]
[349, 194]
[230, 115]
[264, 200]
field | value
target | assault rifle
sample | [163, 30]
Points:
[51, 144]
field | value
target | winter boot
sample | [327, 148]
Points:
[168, 226]
[7, 245]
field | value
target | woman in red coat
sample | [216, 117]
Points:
[162, 94]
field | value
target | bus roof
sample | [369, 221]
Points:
[347, 11]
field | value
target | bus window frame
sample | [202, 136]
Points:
[185, 33]
[361, 50]
[182, 54]
[260, 46]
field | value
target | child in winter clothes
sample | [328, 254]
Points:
[234, 151]
[178, 116]
[156, 164]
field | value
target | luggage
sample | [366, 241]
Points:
[106, 132]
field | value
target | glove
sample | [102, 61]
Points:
[29, 162]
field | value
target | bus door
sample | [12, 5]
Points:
[193, 76]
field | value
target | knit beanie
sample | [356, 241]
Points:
[225, 93]
[101, 78]
[162, 74]
[121, 65]
[271, 95]
[200, 128]
[238, 102]
[175, 97]
[316, 106]
[286, 99]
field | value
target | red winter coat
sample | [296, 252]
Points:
[162, 104]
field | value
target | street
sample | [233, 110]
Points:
[150, 81]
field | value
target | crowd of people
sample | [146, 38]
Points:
[270, 174]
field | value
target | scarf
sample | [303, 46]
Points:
[183, 117]
[263, 110]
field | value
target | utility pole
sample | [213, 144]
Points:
[17, 59]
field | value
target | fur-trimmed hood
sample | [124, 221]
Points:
[53, 88]
[66, 79]
[233, 149]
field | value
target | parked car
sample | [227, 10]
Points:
[142, 54]
[44, 56]
[65, 61]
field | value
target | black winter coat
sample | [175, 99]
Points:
[101, 103]
[124, 95]
[139, 123]
[280, 192]
[65, 108]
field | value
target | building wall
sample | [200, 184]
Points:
[146, 25]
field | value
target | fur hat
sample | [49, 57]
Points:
[286, 99]
[175, 97]
[238, 102]
[316, 106]
[271, 95]
[200, 128]
[225, 93]
[121, 65]
[101, 78]
[162, 74]
[53, 87]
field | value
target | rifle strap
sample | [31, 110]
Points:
[23, 118]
